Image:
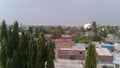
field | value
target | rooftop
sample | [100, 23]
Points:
[103, 52]
[60, 63]
[80, 48]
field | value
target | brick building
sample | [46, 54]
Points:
[73, 53]
[103, 55]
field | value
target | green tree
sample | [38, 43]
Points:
[32, 50]
[3, 55]
[23, 47]
[3, 33]
[41, 56]
[90, 61]
[83, 39]
[50, 54]
[15, 36]
[97, 32]
[14, 61]
[9, 63]
[10, 43]
[58, 32]
[3, 44]
[30, 29]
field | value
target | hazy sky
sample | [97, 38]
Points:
[60, 12]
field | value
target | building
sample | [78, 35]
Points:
[117, 46]
[61, 63]
[105, 65]
[62, 43]
[108, 46]
[103, 55]
[73, 53]
[116, 60]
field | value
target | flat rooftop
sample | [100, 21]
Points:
[103, 52]
[62, 63]
[80, 48]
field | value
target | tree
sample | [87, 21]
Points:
[97, 32]
[50, 54]
[3, 55]
[58, 32]
[41, 56]
[10, 43]
[14, 61]
[3, 44]
[3, 33]
[32, 50]
[90, 61]
[83, 39]
[15, 35]
[23, 47]
[9, 63]
[30, 29]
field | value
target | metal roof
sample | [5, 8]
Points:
[103, 52]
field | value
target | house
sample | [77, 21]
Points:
[108, 46]
[73, 53]
[103, 55]
[116, 60]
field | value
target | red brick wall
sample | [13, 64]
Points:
[105, 58]
[65, 54]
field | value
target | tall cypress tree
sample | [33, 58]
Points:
[3, 55]
[10, 43]
[23, 45]
[50, 54]
[90, 61]
[3, 44]
[15, 35]
[41, 57]
[32, 50]
[3, 33]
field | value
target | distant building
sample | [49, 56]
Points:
[103, 55]
[74, 53]
[66, 36]
[111, 39]
[117, 46]
[48, 36]
[116, 60]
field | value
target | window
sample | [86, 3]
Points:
[72, 57]
[80, 52]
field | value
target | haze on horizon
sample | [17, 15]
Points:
[60, 12]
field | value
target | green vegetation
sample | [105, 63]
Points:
[51, 55]
[20, 49]
[83, 39]
[90, 61]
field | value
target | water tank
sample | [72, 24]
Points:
[117, 46]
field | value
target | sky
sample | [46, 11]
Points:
[60, 12]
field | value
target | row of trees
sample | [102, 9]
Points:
[19, 49]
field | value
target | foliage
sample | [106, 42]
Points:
[83, 39]
[3, 55]
[51, 54]
[41, 57]
[32, 50]
[90, 61]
